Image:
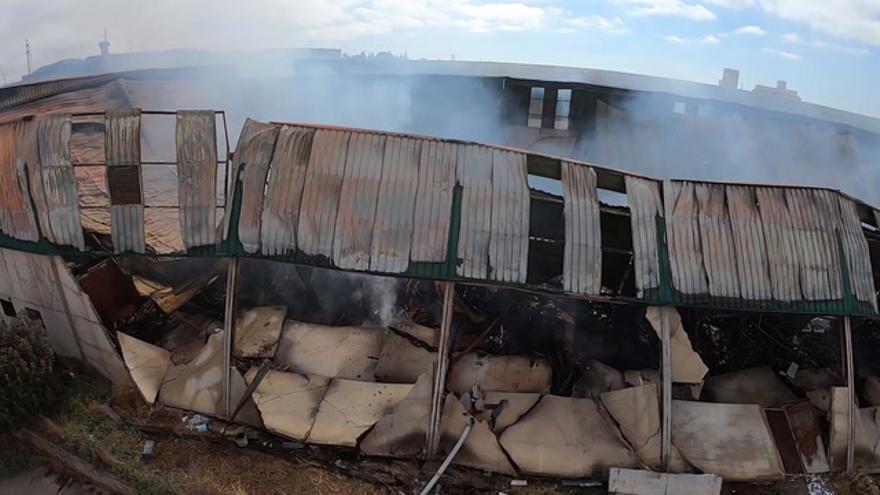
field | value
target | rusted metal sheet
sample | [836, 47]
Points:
[716, 241]
[26, 158]
[357, 201]
[254, 153]
[320, 199]
[244, 154]
[582, 263]
[196, 140]
[855, 249]
[683, 238]
[814, 220]
[393, 228]
[57, 181]
[509, 238]
[646, 206]
[284, 190]
[782, 247]
[122, 147]
[16, 219]
[474, 173]
[433, 208]
[748, 240]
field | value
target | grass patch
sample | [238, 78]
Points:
[92, 434]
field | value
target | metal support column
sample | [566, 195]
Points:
[666, 389]
[443, 344]
[851, 395]
[228, 328]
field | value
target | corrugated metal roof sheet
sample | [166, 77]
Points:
[716, 241]
[582, 263]
[320, 199]
[16, 217]
[855, 250]
[57, 182]
[646, 207]
[287, 175]
[748, 240]
[353, 235]
[254, 152]
[196, 140]
[782, 246]
[509, 230]
[122, 145]
[433, 208]
[683, 238]
[393, 228]
[474, 173]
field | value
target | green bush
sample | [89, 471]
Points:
[26, 371]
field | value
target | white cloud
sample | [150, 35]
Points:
[793, 38]
[674, 8]
[751, 30]
[849, 50]
[782, 53]
[709, 39]
[732, 4]
[612, 25]
[858, 20]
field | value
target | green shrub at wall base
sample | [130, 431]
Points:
[26, 371]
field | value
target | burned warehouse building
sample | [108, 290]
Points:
[530, 270]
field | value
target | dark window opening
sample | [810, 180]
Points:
[546, 239]
[33, 314]
[8, 308]
[618, 274]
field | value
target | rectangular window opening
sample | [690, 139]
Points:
[536, 107]
[8, 308]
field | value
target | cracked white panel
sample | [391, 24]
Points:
[288, 402]
[855, 250]
[481, 449]
[515, 406]
[320, 199]
[402, 361]
[284, 190]
[731, 440]
[393, 228]
[566, 437]
[257, 332]
[814, 218]
[402, 431]
[582, 261]
[748, 239]
[346, 352]
[358, 196]
[146, 363]
[783, 259]
[474, 173]
[55, 182]
[433, 208]
[645, 205]
[254, 153]
[196, 139]
[683, 238]
[509, 238]
[500, 373]
[350, 408]
[716, 241]
[687, 365]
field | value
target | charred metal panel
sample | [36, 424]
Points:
[683, 238]
[358, 196]
[254, 155]
[196, 139]
[646, 206]
[122, 147]
[433, 208]
[814, 218]
[509, 239]
[320, 199]
[748, 241]
[393, 228]
[855, 250]
[782, 247]
[716, 240]
[248, 152]
[56, 184]
[474, 173]
[284, 190]
[582, 265]
[16, 218]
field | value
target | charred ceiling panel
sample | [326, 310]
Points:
[855, 249]
[122, 147]
[474, 173]
[16, 219]
[393, 228]
[284, 190]
[748, 240]
[716, 241]
[196, 171]
[320, 199]
[509, 238]
[55, 188]
[357, 201]
[582, 268]
[683, 238]
[782, 245]
[814, 220]
[254, 154]
[433, 208]
[646, 207]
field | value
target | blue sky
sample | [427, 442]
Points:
[825, 49]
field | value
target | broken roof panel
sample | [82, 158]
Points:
[196, 140]
[474, 173]
[646, 207]
[321, 193]
[284, 190]
[433, 208]
[393, 228]
[509, 228]
[582, 263]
